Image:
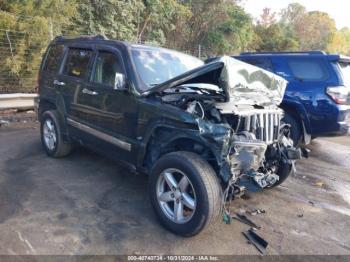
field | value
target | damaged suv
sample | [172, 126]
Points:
[204, 132]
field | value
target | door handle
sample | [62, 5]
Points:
[89, 92]
[58, 83]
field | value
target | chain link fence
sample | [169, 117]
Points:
[21, 53]
[20, 58]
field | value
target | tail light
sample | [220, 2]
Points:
[340, 94]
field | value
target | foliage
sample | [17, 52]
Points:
[219, 27]
[340, 42]
[314, 30]
[25, 31]
[274, 38]
[232, 35]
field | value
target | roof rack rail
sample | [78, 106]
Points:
[314, 52]
[82, 37]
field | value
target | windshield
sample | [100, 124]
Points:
[159, 65]
[345, 71]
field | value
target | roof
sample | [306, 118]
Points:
[88, 38]
[331, 57]
[286, 53]
[101, 38]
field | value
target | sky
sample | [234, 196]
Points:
[337, 9]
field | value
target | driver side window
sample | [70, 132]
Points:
[107, 64]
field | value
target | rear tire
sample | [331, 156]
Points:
[202, 189]
[51, 135]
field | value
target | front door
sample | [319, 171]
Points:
[112, 113]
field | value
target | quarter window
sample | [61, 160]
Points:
[309, 70]
[52, 63]
[107, 64]
[77, 62]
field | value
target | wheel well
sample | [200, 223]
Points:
[45, 106]
[294, 114]
[159, 146]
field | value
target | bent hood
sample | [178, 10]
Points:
[242, 83]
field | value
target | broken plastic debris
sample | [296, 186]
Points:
[243, 219]
[256, 240]
[227, 218]
[257, 211]
[241, 211]
[319, 184]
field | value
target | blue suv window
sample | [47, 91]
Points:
[345, 71]
[260, 62]
[309, 70]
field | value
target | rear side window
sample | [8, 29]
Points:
[309, 70]
[77, 63]
[262, 63]
[345, 72]
[52, 62]
[107, 64]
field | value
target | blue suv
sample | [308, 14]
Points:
[317, 99]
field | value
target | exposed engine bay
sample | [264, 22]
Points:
[256, 150]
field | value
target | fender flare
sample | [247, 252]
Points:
[181, 133]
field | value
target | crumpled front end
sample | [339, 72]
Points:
[246, 162]
[246, 84]
[235, 106]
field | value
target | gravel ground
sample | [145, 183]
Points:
[86, 204]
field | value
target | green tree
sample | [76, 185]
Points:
[130, 20]
[232, 35]
[219, 26]
[112, 18]
[274, 38]
[26, 28]
[292, 13]
[340, 42]
[314, 30]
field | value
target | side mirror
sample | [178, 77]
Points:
[119, 81]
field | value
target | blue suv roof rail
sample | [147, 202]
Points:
[286, 53]
[81, 37]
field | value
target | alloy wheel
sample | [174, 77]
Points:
[176, 195]
[49, 133]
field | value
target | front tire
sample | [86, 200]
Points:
[285, 169]
[185, 193]
[51, 135]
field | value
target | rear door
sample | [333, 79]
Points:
[49, 71]
[309, 78]
[74, 76]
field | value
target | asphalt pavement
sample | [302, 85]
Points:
[87, 204]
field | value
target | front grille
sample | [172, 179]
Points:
[264, 123]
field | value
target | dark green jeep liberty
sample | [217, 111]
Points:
[205, 133]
